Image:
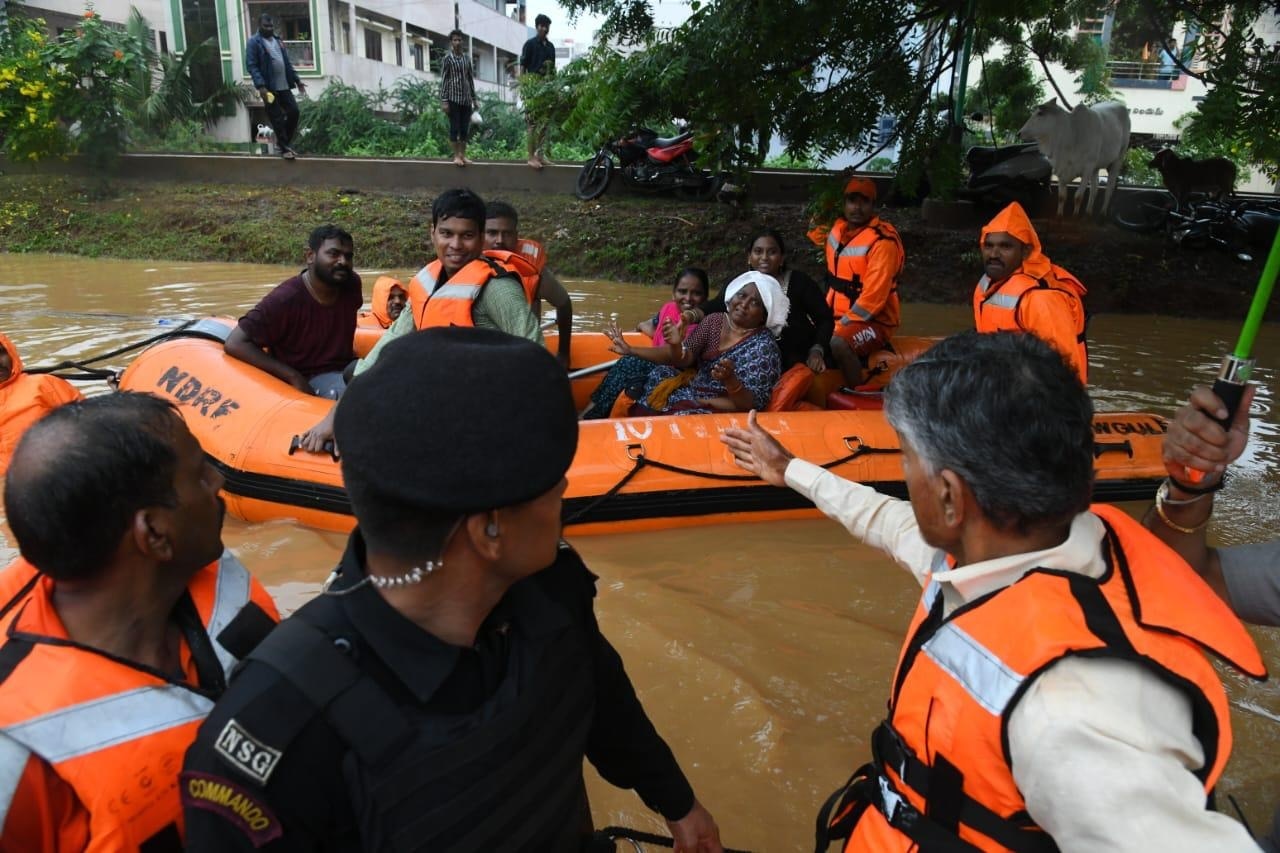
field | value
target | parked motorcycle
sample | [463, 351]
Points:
[1008, 173]
[649, 163]
[1239, 227]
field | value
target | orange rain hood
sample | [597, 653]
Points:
[1013, 220]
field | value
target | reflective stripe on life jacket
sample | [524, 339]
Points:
[940, 777]
[996, 305]
[847, 264]
[451, 303]
[113, 731]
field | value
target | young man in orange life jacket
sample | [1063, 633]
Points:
[115, 645]
[864, 259]
[1053, 691]
[502, 233]
[466, 285]
[1021, 290]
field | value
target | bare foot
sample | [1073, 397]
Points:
[457, 161]
[468, 161]
[535, 163]
[545, 160]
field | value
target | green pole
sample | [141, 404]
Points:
[1244, 347]
[964, 63]
[1238, 366]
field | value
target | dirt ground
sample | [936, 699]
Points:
[616, 237]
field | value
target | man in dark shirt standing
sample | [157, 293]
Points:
[308, 322]
[443, 690]
[267, 62]
[538, 57]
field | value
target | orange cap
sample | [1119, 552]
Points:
[863, 186]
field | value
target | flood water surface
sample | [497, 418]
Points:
[763, 652]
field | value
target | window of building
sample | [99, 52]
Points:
[293, 27]
[419, 59]
[164, 43]
[373, 45]
[399, 51]
[346, 37]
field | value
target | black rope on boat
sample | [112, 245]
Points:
[88, 372]
[641, 461]
[614, 833]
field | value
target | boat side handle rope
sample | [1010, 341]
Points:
[635, 452]
[102, 372]
[295, 444]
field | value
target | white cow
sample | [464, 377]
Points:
[1079, 143]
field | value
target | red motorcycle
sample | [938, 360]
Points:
[650, 163]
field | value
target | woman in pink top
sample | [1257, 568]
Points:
[689, 291]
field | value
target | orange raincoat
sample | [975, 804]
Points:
[24, 399]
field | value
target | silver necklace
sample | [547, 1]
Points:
[417, 574]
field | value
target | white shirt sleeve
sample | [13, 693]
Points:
[1103, 753]
[877, 520]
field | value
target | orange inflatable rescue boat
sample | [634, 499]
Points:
[628, 474]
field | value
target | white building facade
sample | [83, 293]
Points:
[369, 45]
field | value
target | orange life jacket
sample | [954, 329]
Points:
[847, 256]
[995, 309]
[24, 399]
[532, 251]
[960, 678]
[451, 303]
[115, 733]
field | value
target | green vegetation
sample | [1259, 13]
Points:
[823, 76]
[93, 89]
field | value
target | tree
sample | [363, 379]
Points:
[821, 73]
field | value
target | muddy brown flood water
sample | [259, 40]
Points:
[762, 651]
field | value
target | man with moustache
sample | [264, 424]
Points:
[120, 625]
[1022, 291]
[308, 322]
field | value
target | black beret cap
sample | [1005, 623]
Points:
[459, 420]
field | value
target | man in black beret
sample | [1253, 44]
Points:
[443, 690]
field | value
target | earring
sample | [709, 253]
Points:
[491, 530]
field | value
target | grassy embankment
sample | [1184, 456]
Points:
[618, 237]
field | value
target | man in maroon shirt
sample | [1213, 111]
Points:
[308, 322]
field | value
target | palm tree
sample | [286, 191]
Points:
[160, 92]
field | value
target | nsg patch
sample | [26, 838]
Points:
[246, 753]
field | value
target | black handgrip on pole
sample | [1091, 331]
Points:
[1230, 393]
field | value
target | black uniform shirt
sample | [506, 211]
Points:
[305, 804]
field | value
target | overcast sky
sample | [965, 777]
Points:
[666, 13]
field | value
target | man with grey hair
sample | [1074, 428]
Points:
[1052, 692]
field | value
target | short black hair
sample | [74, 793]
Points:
[501, 210]
[265, 16]
[1007, 414]
[82, 472]
[540, 20]
[458, 33]
[772, 234]
[458, 204]
[327, 232]
[697, 272]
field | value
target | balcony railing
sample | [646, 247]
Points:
[302, 54]
[1150, 72]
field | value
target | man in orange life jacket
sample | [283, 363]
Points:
[502, 233]
[1052, 688]
[498, 292]
[24, 398]
[116, 648]
[864, 260]
[1022, 290]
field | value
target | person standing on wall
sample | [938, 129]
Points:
[267, 62]
[538, 57]
[458, 94]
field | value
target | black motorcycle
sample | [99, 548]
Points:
[1239, 227]
[650, 163]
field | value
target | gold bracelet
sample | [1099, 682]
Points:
[1160, 493]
